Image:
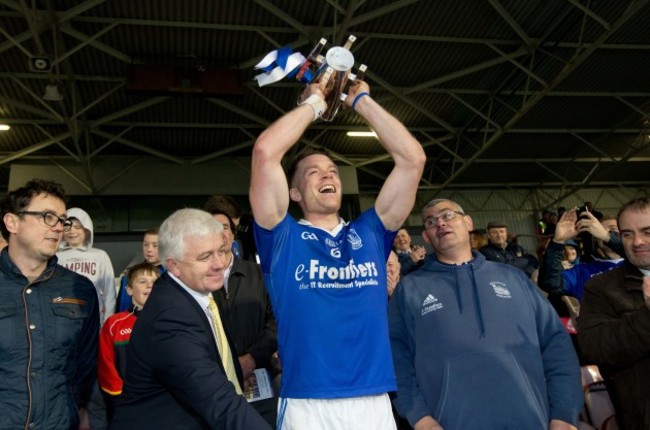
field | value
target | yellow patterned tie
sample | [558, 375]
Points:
[222, 344]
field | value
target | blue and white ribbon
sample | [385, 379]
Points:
[277, 65]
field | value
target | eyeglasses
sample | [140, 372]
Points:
[446, 216]
[49, 219]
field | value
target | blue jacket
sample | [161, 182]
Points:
[477, 346]
[48, 331]
[554, 279]
[124, 302]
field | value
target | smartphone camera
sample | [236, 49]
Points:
[581, 212]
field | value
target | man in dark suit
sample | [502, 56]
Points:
[175, 376]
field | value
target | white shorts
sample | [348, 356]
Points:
[352, 413]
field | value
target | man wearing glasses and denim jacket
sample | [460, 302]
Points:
[49, 316]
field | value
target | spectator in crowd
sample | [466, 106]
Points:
[589, 206]
[540, 228]
[469, 336]
[393, 272]
[246, 311]
[181, 372]
[477, 239]
[77, 254]
[604, 249]
[609, 223]
[500, 250]
[150, 252]
[571, 254]
[326, 277]
[550, 227]
[554, 277]
[244, 244]
[49, 316]
[410, 256]
[614, 323]
[116, 332]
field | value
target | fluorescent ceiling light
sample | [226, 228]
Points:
[4, 127]
[362, 134]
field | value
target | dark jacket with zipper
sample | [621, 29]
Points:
[48, 346]
[513, 254]
[614, 333]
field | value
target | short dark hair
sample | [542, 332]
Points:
[223, 205]
[152, 231]
[231, 223]
[17, 200]
[293, 167]
[139, 269]
[640, 204]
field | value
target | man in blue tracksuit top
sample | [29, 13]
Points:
[475, 345]
[327, 278]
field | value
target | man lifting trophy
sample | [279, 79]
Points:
[332, 72]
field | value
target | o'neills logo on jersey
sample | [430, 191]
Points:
[354, 275]
[331, 243]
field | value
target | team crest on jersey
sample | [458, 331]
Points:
[354, 239]
[501, 290]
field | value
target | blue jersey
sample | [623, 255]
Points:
[329, 297]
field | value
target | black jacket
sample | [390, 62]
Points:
[513, 254]
[48, 346]
[246, 311]
[175, 378]
[614, 333]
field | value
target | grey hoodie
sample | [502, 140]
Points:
[92, 263]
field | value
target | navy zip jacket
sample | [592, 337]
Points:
[477, 346]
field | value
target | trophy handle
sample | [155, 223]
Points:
[349, 42]
[313, 65]
[315, 53]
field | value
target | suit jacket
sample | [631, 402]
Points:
[247, 314]
[174, 377]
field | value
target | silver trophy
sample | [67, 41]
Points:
[333, 73]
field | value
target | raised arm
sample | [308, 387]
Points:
[269, 190]
[397, 196]
[550, 270]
